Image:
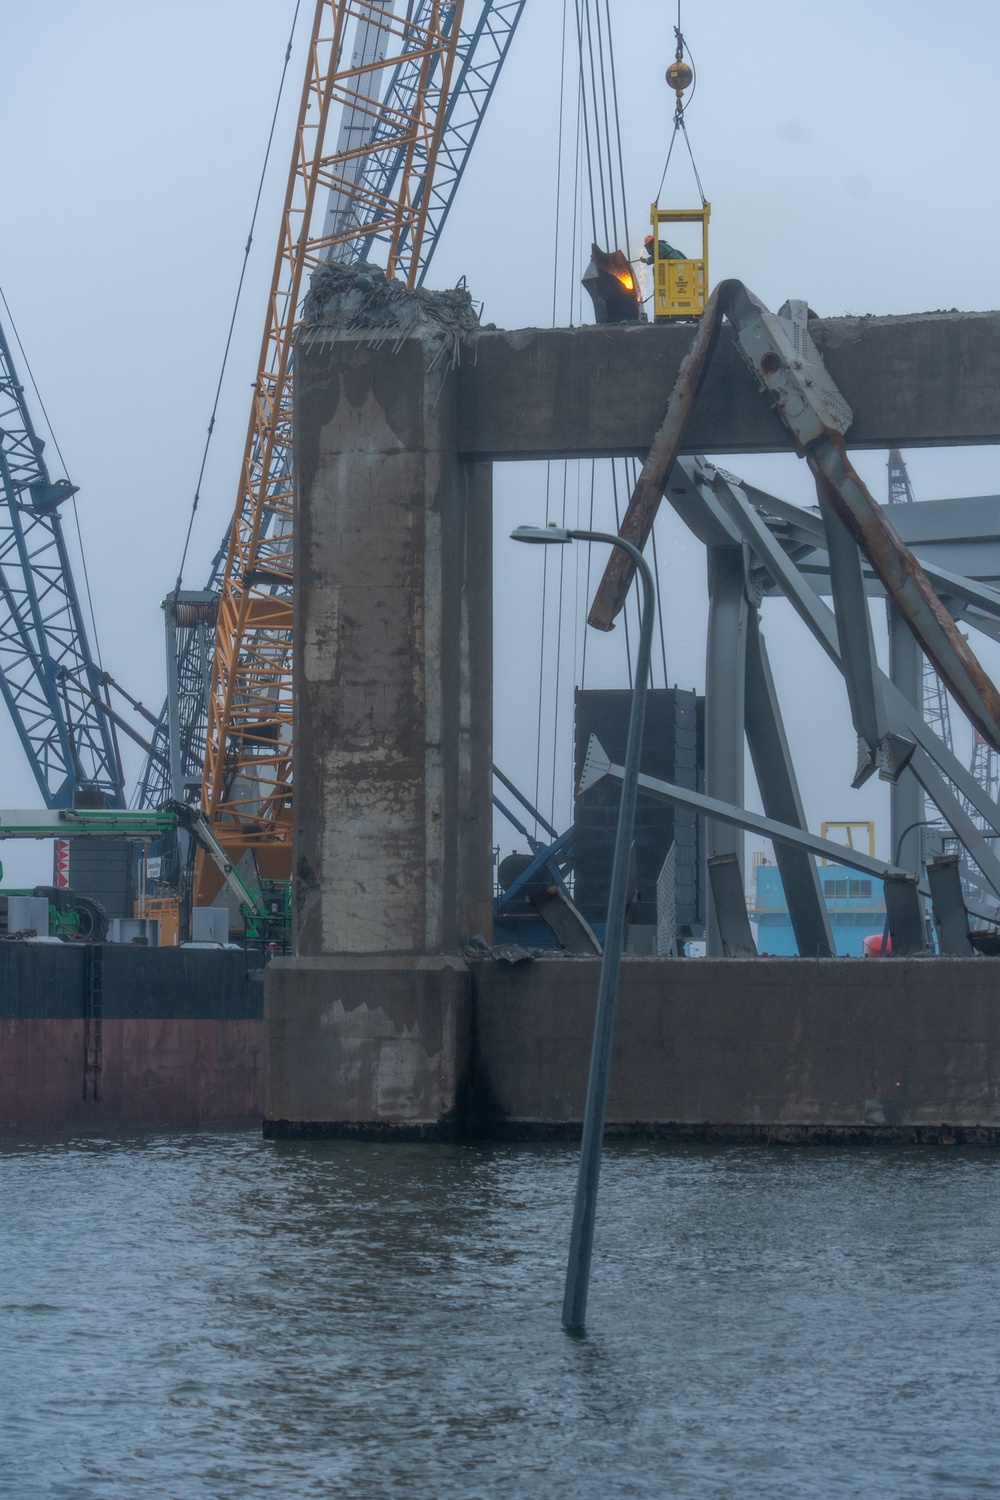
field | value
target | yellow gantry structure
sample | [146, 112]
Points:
[329, 202]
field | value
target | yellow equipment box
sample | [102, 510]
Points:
[166, 910]
[679, 283]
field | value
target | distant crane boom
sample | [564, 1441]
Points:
[49, 680]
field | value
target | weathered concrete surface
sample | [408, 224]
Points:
[393, 668]
[784, 1049]
[393, 568]
[923, 380]
[367, 1046]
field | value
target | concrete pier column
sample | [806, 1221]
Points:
[393, 664]
[367, 1026]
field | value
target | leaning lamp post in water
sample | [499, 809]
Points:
[581, 1243]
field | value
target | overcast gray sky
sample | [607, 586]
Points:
[849, 156]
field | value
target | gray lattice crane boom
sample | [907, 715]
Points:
[54, 689]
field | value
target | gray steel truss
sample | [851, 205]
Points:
[853, 550]
[938, 770]
[598, 765]
[779, 791]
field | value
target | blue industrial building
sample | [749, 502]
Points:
[854, 901]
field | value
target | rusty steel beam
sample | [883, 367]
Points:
[786, 363]
[638, 519]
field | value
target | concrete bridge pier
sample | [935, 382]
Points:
[393, 699]
[376, 1025]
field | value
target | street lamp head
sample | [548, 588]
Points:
[542, 534]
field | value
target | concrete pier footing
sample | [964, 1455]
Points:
[778, 1049]
[368, 1046]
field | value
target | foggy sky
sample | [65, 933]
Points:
[849, 163]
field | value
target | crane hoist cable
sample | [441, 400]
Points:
[681, 76]
[236, 300]
[598, 187]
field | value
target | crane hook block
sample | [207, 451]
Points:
[679, 76]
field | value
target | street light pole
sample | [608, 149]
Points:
[581, 1245]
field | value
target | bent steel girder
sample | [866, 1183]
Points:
[972, 838]
[857, 644]
[908, 587]
[598, 764]
[907, 807]
[725, 677]
[803, 537]
[904, 718]
[779, 792]
[787, 364]
[933, 763]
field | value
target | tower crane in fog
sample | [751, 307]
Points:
[53, 687]
[381, 144]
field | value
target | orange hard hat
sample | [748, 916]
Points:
[648, 240]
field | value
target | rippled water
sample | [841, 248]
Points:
[219, 1316]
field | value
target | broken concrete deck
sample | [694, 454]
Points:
[923, 380]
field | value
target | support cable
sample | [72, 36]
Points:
[619, 149]
[603, 176]
[679, 113]
[598, 153]
[589, 527]
[559, 630]
[618, 520]
[549, 462]
[239, 293]
[586, 130]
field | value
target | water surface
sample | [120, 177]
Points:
[189, 1316]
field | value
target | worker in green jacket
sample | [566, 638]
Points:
[665, 251]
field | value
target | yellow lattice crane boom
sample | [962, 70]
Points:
[390, 99]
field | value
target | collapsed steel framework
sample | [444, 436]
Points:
[758, 546]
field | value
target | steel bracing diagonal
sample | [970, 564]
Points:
[44, 652]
